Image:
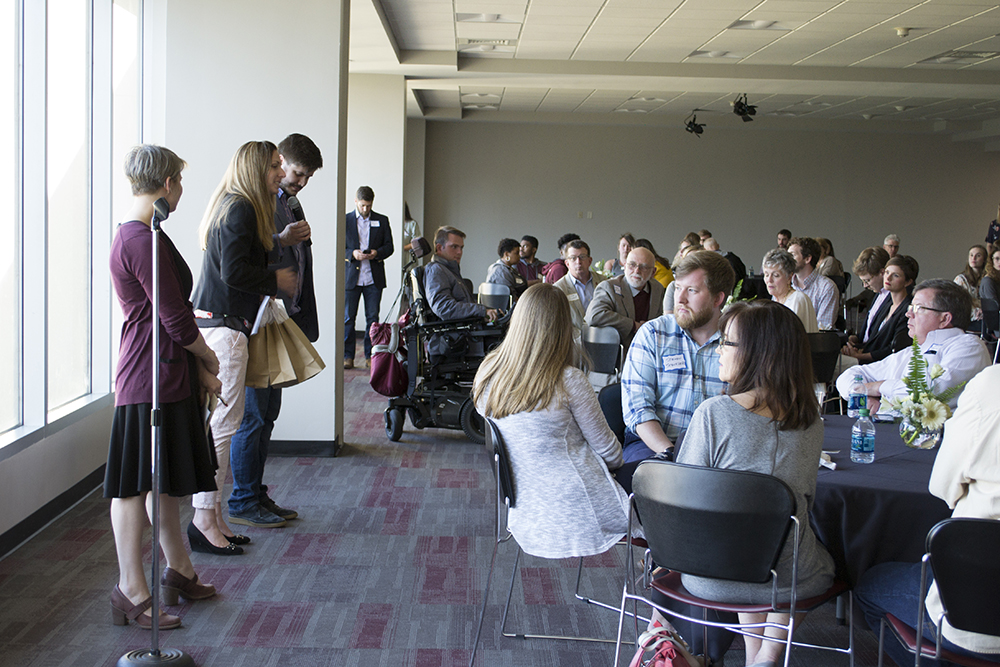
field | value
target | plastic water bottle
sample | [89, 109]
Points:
[751, 272]
[863, 439]
[858, 399]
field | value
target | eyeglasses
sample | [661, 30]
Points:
[917, 308]
[632, 266]
[577, 258]
[723, 340]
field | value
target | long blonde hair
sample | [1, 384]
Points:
[525, 372]
[245, 178]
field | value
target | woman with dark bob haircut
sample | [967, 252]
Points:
[768, 422]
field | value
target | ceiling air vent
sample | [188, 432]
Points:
[960, 57]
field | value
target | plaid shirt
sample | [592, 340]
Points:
[824, 295]
[668, 375]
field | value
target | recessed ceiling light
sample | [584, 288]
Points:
[759, 24]
[715, 54]
[491, 107]
[486, 18]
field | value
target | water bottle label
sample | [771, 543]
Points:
[857, 402]
[864, 444]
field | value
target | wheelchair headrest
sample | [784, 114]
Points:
[419, 247]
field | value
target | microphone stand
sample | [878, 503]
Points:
[154, 656]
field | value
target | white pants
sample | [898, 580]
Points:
[231, 348]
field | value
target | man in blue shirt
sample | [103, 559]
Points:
[673, 363]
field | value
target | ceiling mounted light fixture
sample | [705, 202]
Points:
[692, 125]
[742, 109]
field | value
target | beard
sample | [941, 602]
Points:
[693, 320]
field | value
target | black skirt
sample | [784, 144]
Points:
[187, 457]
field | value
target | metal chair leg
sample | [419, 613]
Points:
[486, 599]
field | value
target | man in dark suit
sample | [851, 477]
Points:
[369, 244]
[249, 503]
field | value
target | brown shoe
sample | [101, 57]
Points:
[123, 611]
[174, 584]
[368, 363]
[348, 363]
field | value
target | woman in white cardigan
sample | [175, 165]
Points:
[560, 446]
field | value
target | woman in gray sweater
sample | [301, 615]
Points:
[560, 446]
[767, 423]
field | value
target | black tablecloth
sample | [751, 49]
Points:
[874, 513]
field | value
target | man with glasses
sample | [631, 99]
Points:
[628, 301]
[891, 245]
[673, 363]
[937, 319]
[580, 282]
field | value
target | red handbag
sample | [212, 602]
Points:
[388, 372]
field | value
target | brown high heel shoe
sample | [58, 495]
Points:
[123, 611]
[174, 584]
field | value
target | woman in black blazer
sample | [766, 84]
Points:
[236, 232]
[899, 276]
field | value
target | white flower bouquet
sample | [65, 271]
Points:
[922, 411]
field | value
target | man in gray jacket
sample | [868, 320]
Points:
[626, 302]
[447, 293]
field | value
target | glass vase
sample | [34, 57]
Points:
[916, 436]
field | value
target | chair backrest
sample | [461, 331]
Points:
[991, 317]
[505, 476]
[713, 522]
[963, 555]
[825, 349]
[840, 282]
[610, 398]
[604, 348]
[494, 295]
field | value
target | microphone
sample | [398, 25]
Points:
[297, 213]
[161, 211]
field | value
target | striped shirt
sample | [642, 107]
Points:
[668, 375]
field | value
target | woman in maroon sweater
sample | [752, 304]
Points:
[188, 369]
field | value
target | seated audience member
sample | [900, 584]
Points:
[556, 269]
[554, 429]
[663, 274]
[891, 245]
[989, 285]
[938, 316]
[768, 422]
[627, 302]
[821, 290]
[579, 284]
[703, 236]
[668, 295]
[828, 265]
[900, 274]
[967, 477]
[529, 267]
[869, 267]
[784, 238]
[616, 267]
[778, 267]
[993, 234]
[690, 239]
[447, 293]
[711, 244]
[970, 276]
[502, 271]
[673, 363]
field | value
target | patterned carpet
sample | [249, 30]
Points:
[385, 567]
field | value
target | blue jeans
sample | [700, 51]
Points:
[373, 295]
[893, 588]
[248, 448]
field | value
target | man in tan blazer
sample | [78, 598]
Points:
[625, 302]
[580, 283]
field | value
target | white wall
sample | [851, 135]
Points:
[413, 176]
[500, 179]
[234, 76]
[376, 142]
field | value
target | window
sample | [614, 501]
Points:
[10, 178]
[68, 134]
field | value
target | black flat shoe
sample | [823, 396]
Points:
[237, 539]
[203, 545]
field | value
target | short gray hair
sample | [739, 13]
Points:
[148, 167]
[779, 259]
[950, 298]
[893, 238]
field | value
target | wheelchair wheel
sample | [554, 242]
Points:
[472, 423]
[393, 424]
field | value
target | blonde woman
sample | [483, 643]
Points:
[237, 231]
[561, 449]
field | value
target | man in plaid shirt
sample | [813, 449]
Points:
[673, 363]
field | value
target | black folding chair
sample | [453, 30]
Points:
[722, 524]
[962, 554]
[610, 398]
[824, 346]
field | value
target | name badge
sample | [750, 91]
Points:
[674, 362]
[618, 290]
[573, 297]
[375, 223]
